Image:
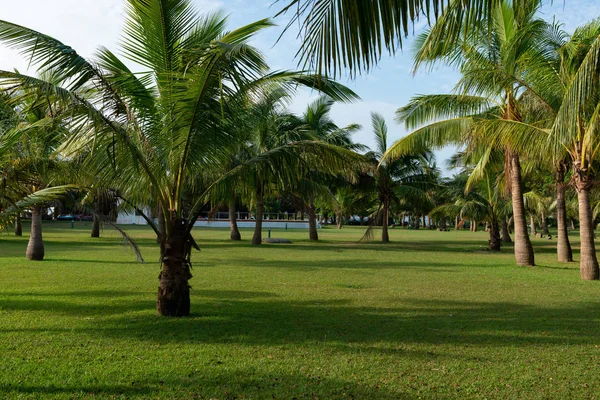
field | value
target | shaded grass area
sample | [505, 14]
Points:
[431, 315]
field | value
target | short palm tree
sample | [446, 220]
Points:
[160, 128]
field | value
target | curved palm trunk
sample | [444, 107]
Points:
[257, 237]
[494, 231]
[588, 263]
[235, 232]
[504, 234]
[313, 235]
[523, 248]
[35, 247]
[563, 246]
[18, 225]
[173, 298]
[385, 236]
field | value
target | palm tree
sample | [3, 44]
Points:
[319, 125]
[34, 166]
[395, 181]
[492, 89]
[162, 127]
[570, 138]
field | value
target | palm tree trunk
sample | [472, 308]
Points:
[545, 230]
[504, 234]
[257, 237]
[532, 224]
[339, 220]
[456, 221]
[563, 246]
[588, 263]
[495, 241]
[235, 232]
[96, 226]
[511, 224]
[385, 235]
[96, 218]
[173, 298]
[18, 225]
[474, 226]
[313, 235]
[162, 227]
[35, 247]
[573, 227]
[523, 248]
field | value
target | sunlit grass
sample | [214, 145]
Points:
[431, 315]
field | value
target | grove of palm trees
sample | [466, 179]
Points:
[443, 251]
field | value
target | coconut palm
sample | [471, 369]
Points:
[492, 89]
[568, 135]
[160, 128]
[319, 125]
[395, 182]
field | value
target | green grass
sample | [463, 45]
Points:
[432, 315]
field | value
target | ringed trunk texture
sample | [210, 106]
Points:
[494, 231]
[96, 226]
[504, 234]
[173, 298]
[18, 225]
[235, 231]
[35, 247]
[588, 263]
[563, 246]
[257, 237]
[162, 227]
[385, 235]
[313, 235]
[523, 248]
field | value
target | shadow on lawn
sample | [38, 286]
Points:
[226, 385]
[262, 318]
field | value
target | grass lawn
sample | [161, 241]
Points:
[431, 315]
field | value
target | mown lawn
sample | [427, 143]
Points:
[432, 315]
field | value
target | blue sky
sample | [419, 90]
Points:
[90, 23]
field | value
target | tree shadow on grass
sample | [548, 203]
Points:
[228, 384]
[262, 318]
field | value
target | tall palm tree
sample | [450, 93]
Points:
[492, 88]
[570, 138]
[162, 127]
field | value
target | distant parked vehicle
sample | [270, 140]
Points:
[67, 217]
